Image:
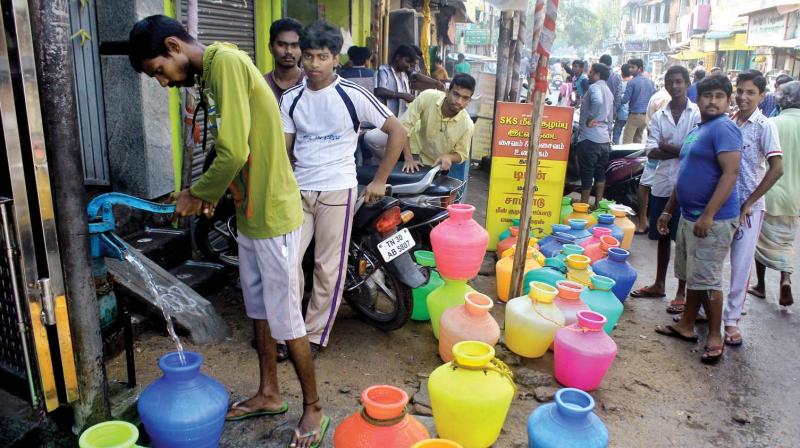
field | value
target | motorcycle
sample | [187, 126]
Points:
[380, 270]
[426, 193]
[624, 170]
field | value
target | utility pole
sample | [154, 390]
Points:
[544, 33]
[516, 79]
[54, 69]
[503, 56]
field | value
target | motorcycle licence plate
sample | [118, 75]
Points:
[396, 245]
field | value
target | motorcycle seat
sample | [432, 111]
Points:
[364, 174]
[621, 153]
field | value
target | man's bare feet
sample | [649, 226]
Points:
[258, 404]
[786, 298]
[309, 430]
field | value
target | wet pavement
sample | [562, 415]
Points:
[656, 394]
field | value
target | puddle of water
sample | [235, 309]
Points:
[161, 300]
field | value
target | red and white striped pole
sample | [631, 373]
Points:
[544, 33]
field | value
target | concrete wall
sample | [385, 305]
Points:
[137, 108]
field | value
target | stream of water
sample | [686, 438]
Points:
[161, 301]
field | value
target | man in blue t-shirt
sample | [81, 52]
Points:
[709, 210]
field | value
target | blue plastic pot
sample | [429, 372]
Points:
[552, 272]
[577, 228]
[567, 423]
[616, 267]
[555, 228]
[552, 247]
[184, 408]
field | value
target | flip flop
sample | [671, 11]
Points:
[644, 293]
[323, 429]
[733, 340]
[676, 306]
[238, 405]
[669, 330]
[756, 293]
[705, 358]
[283, 352]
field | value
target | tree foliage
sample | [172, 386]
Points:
[586, 29]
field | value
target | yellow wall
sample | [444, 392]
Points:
[267, 11]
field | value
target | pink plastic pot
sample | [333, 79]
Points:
[569, 300]
[583, 352]
[597, 233]
[459, 244]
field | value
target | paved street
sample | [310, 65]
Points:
[657, 393]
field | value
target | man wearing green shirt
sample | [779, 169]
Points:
[775, 247]
[252, 162]
[462, 66]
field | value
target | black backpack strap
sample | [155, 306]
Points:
[294, 102]
[204, 106]
[351, 108]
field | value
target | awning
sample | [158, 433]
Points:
[737, 42]
[724, 34]
[689, 54]
[784, 7]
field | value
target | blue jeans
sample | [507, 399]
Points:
[617, 132]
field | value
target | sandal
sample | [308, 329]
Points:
[646, 293]
[321, 431]
[669, 330]
[733, 339]
[283, 352]
[701, 318]
[708, 358]
[676, 306]
[253, 413]
[756, 293]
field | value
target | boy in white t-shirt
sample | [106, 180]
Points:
[321, 118]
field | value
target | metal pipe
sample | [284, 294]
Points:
[11, 254]
[50, 23]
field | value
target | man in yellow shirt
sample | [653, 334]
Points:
[439, 127]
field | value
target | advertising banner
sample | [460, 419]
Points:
[512, 128]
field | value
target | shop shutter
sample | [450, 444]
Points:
[226, 21]
[221, 21]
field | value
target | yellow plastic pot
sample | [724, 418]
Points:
[113, 434]
[471, 395]
[578, 269]
[436, 443]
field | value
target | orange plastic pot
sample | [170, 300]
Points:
[382, 422]
[468, 322]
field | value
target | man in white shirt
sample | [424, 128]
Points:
[667, 129]
[321, 119]
[761, 144]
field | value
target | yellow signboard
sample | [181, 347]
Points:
[512, 127]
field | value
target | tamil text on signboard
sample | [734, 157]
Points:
[512, 129]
